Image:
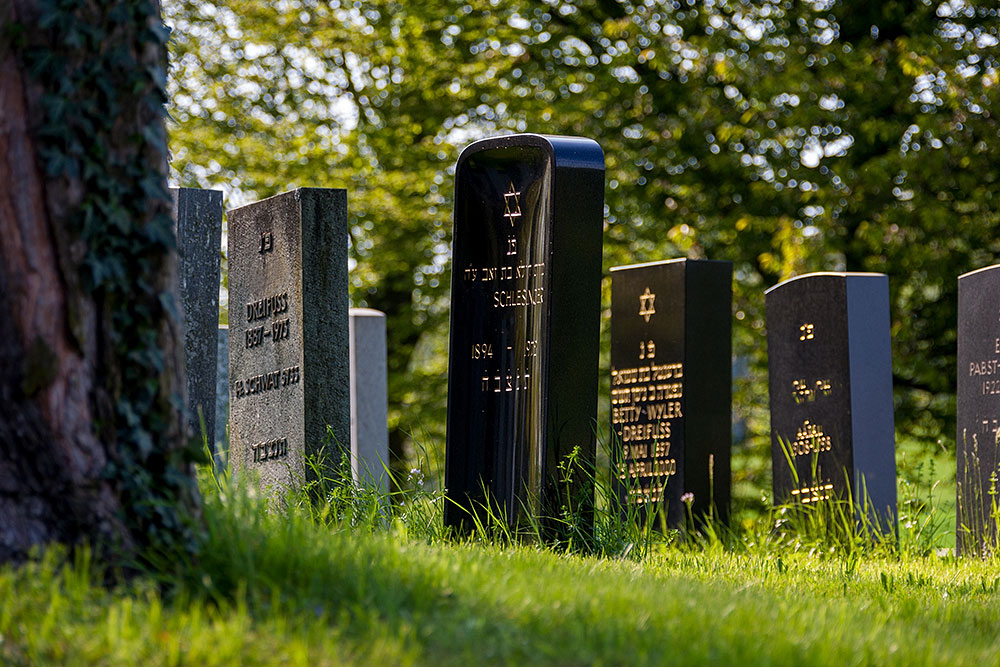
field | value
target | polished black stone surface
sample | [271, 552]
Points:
[830, 379]
[526, 271]
[978, 407]
[671, 386]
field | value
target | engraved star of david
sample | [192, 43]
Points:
[646, 300]
[511, 205]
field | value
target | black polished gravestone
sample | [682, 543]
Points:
[830, 378]
[525, 325]
[198, 218]
[288, 341]
[978, 410]
[671, 379]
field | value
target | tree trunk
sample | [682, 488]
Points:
[82, 167]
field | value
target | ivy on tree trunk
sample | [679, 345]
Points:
[91, 390]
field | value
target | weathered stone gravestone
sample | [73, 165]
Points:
[978, 410]
[830, 380]
[671, 386]
[369, 399]
[198, 216]
[525, 309]
[288, 338]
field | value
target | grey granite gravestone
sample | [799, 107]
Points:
[198, 216]
[525, 329]
[978, 410]
[288, 338]
[222, 397]
[671, 386]
[830, 379]
[369, 399]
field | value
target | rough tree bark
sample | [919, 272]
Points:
[63, 369]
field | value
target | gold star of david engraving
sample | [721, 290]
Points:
[512, 204]
[646, 307]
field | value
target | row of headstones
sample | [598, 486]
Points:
[262, 362]
[522, 385]
[522, 390]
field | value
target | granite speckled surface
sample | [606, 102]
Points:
[288, 333]
[198, 216]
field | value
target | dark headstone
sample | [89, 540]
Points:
[671, 386]
[288, 345]
[978, 410]
[526, 273]
[830, 382]
[198, 214]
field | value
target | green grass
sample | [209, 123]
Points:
[341, 584]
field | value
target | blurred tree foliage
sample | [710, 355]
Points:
[785, 136]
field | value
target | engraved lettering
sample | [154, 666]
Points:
[269, 450]
[265, 382]
[267, 307]
[266, 243]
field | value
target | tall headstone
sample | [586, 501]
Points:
[288, 334]
[525, 311]
[369, 399]
[978, 410]
[830, 377]
[671, 386]
[198, 215]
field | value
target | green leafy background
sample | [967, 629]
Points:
[787, 137]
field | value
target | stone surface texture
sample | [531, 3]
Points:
[222, 396]
[671, 386]
[288, 335]
[830, 378]
[978, 408]
[369, 399]
[198, 216]
[522, 377]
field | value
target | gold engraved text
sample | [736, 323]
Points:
[515, 298]
[803, 393]
[810, 439]
[814, 493]
[508, 382]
